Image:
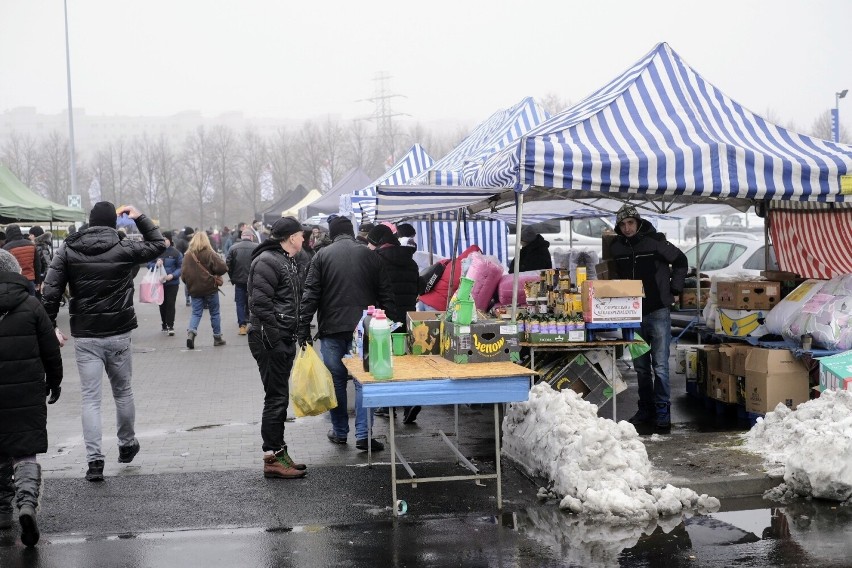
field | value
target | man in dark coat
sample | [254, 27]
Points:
[238, 260]
[26, 254]
[641, 253]
[29, 352]
[344, 278]
[535, 253]
[275, 291]
[98, 266]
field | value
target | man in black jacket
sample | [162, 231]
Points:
[274, 292]
[98, 266]
[641, 253]
[238, 260]
[344, 278]
[535, 252]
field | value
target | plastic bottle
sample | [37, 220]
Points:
[381, 362]
[363, 341]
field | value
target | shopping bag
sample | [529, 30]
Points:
[151, 288]
[638, 349]
[311, 387]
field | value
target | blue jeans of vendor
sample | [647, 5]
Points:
[652, 368]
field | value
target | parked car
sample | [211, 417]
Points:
[732, 253]
[703, 229]
[580, 234]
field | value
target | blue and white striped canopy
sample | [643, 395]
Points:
[500, 130]
[490, 235]
[363, 201]
[661, 129]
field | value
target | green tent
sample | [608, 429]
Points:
[19, 203]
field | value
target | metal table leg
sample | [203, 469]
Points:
[393, 462]
[497, 457]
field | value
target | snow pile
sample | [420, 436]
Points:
[813, 444]
[599, 468]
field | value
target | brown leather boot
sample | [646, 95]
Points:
[276, 465]
[299, 466]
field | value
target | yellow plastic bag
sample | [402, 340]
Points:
[311, 387]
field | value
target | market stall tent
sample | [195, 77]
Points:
[329, 202]
[18, 203]
[291, 198]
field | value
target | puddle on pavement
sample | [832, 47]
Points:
[746, 532]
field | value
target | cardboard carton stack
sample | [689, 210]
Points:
[742, 306]
[773, 376]
[612, 301]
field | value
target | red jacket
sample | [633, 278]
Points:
[437, 296]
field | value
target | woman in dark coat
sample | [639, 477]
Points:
[171, 260]
[29, 354]
[535, 253]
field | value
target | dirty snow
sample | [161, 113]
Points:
[811, 446]
[598, 468]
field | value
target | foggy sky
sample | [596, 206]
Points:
[452, 60]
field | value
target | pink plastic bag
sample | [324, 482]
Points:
[151, 288]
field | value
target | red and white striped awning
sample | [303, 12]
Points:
[813, 240]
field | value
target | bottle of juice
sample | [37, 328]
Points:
[381, 362]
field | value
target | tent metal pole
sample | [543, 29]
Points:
[519, 214]
[453, 258]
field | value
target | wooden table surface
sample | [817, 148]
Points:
[427, 367]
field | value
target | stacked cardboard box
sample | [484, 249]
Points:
[481, 342]
[773, 376]
[748, 295]
[424, 332]
[612, 301]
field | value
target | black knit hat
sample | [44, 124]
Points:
[103, 215]
[284, 227]
[379, 235]
[36, 231]
[340, 226]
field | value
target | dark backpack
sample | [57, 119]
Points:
[430, 276]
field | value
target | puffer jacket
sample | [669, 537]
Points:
[404, 278]
[343, 279]
[199, 282]
[436, 298]
[98, 265]
[649, 257]
[24, 250]
[238, 260]
[172, 264]
[29, 351]
[44, 250]
[535, 255]
[274, 294]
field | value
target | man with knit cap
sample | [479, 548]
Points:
[238, 260]
[641, 253]
[344, 278]
[98, 265]
[274, 293]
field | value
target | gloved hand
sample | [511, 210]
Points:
[305, 340]
[53, 393]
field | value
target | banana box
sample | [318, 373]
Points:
[484, 341]
[741, 323]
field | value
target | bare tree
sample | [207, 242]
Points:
[554, 104]
[167, 170]
[334, 145]
[54, 179]
[225, 162]
[282, 159]
[143, 154]
[821, 128]
[361, 148]
[254, 165]
[112, 169]
[20, 155]
[310, 158]
[197, 157]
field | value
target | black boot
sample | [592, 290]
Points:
[7, 496]
[28, 485]
[645, 415]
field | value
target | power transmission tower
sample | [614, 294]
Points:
[383, 115]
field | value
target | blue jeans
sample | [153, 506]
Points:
[210, 302]
[113, 354]
[657, 331]
[241, 299]
[333, 350]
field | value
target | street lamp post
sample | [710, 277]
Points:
[837, 97]
[71, 108]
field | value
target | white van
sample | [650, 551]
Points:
[583, 235]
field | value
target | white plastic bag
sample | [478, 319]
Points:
[151, 288]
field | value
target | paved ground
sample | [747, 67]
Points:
[199, 410]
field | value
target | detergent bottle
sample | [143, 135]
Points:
[362, 335]
[381, 362]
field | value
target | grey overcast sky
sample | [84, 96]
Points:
[455, 60]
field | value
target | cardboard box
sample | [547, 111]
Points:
[424, 332]
[722, 387]
[612, 301]
[686, 361]
[740, 323]
[481, 342]
[748, 295]
[727, 352]
[773, 376]
[708, 361]
[835, 372]
[689, 295]
[606, 270]
[741, 391]
[597, 389]
[739, 359]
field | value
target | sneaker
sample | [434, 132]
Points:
[190, 340]
[644, 415]
[218, 341]
[276, 465]
[243, 330]
[171, 331]
[410, 415]
[96, 471]
[128, 452]
[164, 329]
[29, 527]
[375, 445]
[334, 438]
